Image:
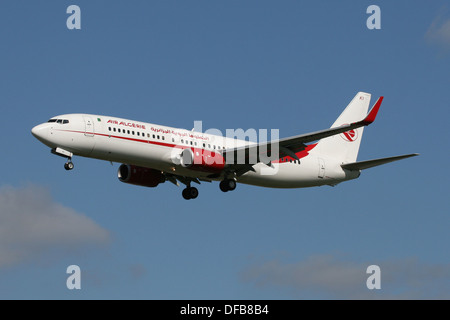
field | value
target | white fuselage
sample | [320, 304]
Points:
[155, 146]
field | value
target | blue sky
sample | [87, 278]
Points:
[289, 65]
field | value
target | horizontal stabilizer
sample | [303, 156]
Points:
[361, 165]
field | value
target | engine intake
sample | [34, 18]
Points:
[140, 176]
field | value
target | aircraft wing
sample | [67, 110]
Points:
[290, 146]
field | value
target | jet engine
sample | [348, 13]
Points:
[140, 176]
[202, 160]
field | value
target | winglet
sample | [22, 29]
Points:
[373, 112]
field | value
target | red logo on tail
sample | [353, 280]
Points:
[350, 135]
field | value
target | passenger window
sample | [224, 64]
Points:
[118, 130]
[209, 146]
[114, 129]
[157, 137]
[109, 128]
[204, 145]
[163, 137]
[132, 132]
[173, 140]
[195, 143]
[153, 136]
[182, 141]
[128, 131]
[138, 133]
[191, 143]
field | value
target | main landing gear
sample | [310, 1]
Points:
[190, 193]
[69, 165]
[227, 185]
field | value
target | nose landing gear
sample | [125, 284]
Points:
[65, 154]
[69, 165]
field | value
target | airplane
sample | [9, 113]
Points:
[151, 154]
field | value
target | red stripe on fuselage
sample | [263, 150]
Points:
[126, 138]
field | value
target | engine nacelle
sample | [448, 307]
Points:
[202, 160]
[140, 176]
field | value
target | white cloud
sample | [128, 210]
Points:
[328, 277]
[439, 31]
[32, 224]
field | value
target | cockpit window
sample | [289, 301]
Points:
[60, 121]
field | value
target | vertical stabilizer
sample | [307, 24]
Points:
[345, 146]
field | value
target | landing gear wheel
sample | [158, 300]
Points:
[190, 193]
[69, 166]
[227, 185]
[223, 186]
[231, 184]
[185, 194]
[193, 192]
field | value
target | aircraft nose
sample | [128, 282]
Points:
[39, 132]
